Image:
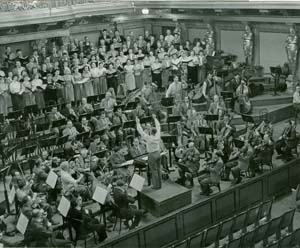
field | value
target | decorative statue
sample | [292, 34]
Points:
[292, 48]
[248, 44]
[209, 39]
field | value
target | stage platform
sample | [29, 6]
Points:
[165, 200]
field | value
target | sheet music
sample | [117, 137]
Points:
[129, 162]
[100, 195]
[64, 206]
[137, 182]
[22, 223]
[52, 179]
[11, 195]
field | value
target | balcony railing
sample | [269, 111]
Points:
[25, 5]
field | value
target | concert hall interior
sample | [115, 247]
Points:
[144, 124]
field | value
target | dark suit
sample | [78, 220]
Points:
[287, 142]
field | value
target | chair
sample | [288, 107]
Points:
[265, 211]
[226, 228]
[212, 235]
[296, 237]
[287, 220]
[286, 241]
[182, 244]
[252, 216]
[260, 234]
[274, 228]
[196, 240]
[239, 224]
[248, 239]
[236, 243]
[119, 218]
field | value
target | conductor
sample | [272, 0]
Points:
[153, 149]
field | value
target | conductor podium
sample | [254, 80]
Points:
[169, 198]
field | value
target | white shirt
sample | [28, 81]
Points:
[296, 97]
[152, 141]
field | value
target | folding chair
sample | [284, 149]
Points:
[286, 241]
[212, 235]
[274, 228]
[182, 244]
[287, 221]
[265, 211]
[226, 228]
[196, 240]
[239, 227]
[248, 239]
[236, 243]
[252, 217]
[296, 237]
[260, 234]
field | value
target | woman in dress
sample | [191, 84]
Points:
[38, 90]
[59, 82]
[88, 85]
[95, 73]
[129, 76]
[68, 89]
[28, 96]
[4, 97]
[102, 79]
[122, 90]
[79, 92]
[192, 68]
[138, 72]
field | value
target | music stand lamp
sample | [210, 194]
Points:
[169, 139]
[275, 72]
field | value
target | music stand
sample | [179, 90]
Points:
[169, 139]
[47, 142]
[238, 143]
[98, 111]
[59, 123]
[248, 119]
[129, 124]
[275, 72]
[101, 96]
[172, 119]
[99, 132]
[14, 115]
[42, 127]
[92, 99]
[23, 133]
[114, 128]
[62, 140]
[209, 117]
[86, 115]
[147, 119]
[28, 150]
[82, 136]
[100, 154]
[167, 101]
[131, 105]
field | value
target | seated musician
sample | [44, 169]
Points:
[125, 202]
[138, 112]
[108, 103]
[69, 112]
[84, 125]
[199, 139]
[97, 145]
[55, 115]
[263, 152]
[211, 172]
[287, 140]
[241, 163]
[216, 106]
[191, 160]
[117, 159]
[265, 127]
[70, 130]
[82, 161]
[39, 232]
[69, 184]
[137, 148]
[119, 118]
[181, 108]
[82, 221]
[243, 105]
[40, 177]
[176, 88]
[85, 107]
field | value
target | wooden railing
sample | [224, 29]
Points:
[196, 217]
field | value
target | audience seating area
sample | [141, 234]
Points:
[251, 228]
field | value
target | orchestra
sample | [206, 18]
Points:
[108, 106]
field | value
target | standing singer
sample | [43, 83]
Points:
[153, 149]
